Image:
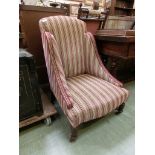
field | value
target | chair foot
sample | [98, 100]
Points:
[120, 109]
[73, 134]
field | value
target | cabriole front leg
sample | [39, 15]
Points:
[73, 134]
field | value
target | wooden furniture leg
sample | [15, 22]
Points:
[73, 134]
[120, 108]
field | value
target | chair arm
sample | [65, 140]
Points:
[55, 71]
[98, 67]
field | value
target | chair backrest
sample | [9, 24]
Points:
[69, 32]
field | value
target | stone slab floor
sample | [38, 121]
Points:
[112, 135]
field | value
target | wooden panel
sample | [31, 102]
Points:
[116, 22]
[92, 25]
[120, 46]
[29, 18]
[118, 55]
[108, 32]
[131, 50]
[112, 8]
[122, 7]
[116, 49]
[121, 39]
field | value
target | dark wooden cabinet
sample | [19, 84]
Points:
[118, 55]
[92, 24]
[122, 7]
[30, 103]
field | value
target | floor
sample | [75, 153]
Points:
[112, 135]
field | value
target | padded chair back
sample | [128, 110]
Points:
[69, 32]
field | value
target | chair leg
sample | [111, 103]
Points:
[73, 134]
[120, 108]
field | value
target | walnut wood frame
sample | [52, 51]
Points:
[120, 108]
[73, 134]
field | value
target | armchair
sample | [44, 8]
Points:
[83, 87]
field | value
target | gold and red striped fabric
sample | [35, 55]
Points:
[83, 87]
[55, 71]
[69, 34]
[93, 98]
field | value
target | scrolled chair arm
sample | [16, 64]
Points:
[56, 74]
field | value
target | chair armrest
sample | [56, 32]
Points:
[97, 68]
[55, 71]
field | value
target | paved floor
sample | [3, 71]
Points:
[112, 135]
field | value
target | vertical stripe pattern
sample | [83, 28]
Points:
[93, 97]
[69, 34]
[77, 76]
[55, 71]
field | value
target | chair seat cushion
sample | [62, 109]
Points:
[93, 97]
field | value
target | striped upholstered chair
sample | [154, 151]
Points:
[83, 87]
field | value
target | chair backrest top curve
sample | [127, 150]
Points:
[69, 33]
